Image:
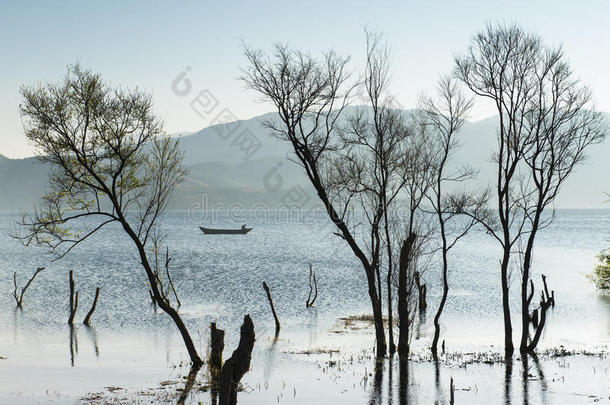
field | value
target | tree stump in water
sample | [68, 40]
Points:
[277, 321]
[237, 365]
[313, 288]
[73, 300]
[217, 345]
[87, 320]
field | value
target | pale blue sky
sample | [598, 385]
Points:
[147, 44]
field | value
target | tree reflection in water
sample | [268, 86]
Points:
[424, 383]
[189, 384]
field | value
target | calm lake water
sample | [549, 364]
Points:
[219, 278]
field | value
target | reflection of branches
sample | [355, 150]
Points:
[19, 298]
[403, 387]
[73, 344]
[270, 356]
[541, 376]
[189, 383]
[508, 377]
[377, 389]
[93, 334]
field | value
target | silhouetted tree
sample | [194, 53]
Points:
[373, 167]
[111, 163]
[310, 96]
[19, 295]
[237, 365]
[313, 288]
[359, 162]
[546, 122]
[441, 118]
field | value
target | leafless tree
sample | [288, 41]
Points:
[237, 365]
[546, 122]
[441, 118]
[19, 296]
[310, 95]
[87, 320]
[73, 299]
[111, 163]
[374, 167]
[561, 124]
[313, 288]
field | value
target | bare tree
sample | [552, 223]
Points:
[561, 125]
[87, 320]
[73, 299]
[310, 96]
[111, 163]
[275, 317]
[413, 232]
[363, 163]
[313, 288]
[19, 296]
[546, 122]
[441, 119]
[372, 169]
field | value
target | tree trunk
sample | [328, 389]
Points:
[237, 365]
[509, 348]
[381, 348]
[164, 305]
[403, 305]
[312, 173]
[441, 306]
[389, 278]
[525, 280]
[421, 291]
[546, 301]
[73, 300]
[217, 345]
[390, 315]
[277, 321]
[90, 313]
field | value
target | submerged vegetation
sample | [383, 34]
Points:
[601, 274]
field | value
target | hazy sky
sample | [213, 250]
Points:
[147, 44]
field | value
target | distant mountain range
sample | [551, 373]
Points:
[240, 162]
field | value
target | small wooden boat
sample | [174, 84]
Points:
[213, 231]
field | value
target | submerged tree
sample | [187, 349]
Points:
[441, 119]
[310, 96]
[371, 172]
[358, 161]
[19, 295]
[111, 163]
[546, 122]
